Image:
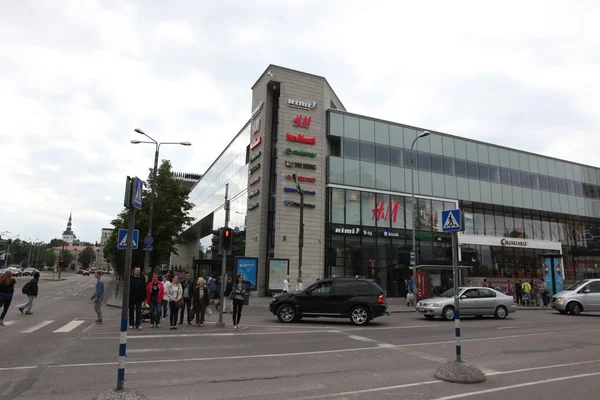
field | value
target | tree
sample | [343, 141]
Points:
[171, 217]
[86, 257]
[67, 258]
[49, 257]
[57, 243]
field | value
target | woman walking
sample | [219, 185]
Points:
[7, 289]
[237, 295]
[201, 300]
[174, 296]
[155, 292]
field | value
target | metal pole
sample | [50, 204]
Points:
[456, 300]
[7, 256]
[151, 211]
[126, 283]
[29, 257]
[221, 324]
[62, 250]
[414, 222]
[301, 233]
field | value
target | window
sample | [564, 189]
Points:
[351, 148]
[423, 160]
[460, 168]
[562, 186]
[594, 287]
[525, 179]
[489, 223]
[449, 166]
[553, 183]
[515, 177]
[484, 172]
[382, 154]
[363, 288]
[321, 289]
[578, 189]
[343, 287]
[570, 187]
[472, 170]
[437, 163]
[367, 151]
[410, 158]
[544, 184]
[486, 293]
[337, 206]
[494, 173]
[470, 294]
[534, 181]
[505, 176]
[396, 156]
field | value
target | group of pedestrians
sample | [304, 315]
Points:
[7, 290]
[172, 297]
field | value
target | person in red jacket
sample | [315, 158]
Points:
[155, 291]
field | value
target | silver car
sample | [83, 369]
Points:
[477, 301]
[581, 296]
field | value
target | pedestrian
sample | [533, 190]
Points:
[174, 294]
[237, 295]
[165, 303]
[98, 296]
[544, 291]
[526, 288]
[410, 295]
[509, 289]
[485, 283]
[188, 294]
[286, 284]
[137, 294]
[228, 306]
[519, 290]
[31, 290]
[212, 287]
[298, 284]
[7, 289]
[201, 299]
[155, 292]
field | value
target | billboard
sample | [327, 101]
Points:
[248, 268]
[278, 269]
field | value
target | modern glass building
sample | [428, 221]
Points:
[357, 173]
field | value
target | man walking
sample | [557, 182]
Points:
[137, 294]
[98, 296]
[31, 290]
[188, 294]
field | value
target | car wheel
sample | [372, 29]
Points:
[359, 315]
[428, 317]
[448, 313]
[501, 312]
[574, 308]
[286, 313]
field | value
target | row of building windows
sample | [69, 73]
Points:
[400, 157]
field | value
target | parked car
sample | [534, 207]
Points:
[79, 272]
[16, 271]
[85, 272]
[474, 301]
[29, 271]
[3, 270]
[581, 296]
[361, 300]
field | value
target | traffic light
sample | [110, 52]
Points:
[227, 239]
[96, 244]
[61, 263]
[215, 247]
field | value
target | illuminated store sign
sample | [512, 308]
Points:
[256, 126]
[352, 231]
[254, 157]
[301, 178]
[257, 109]
[389, 234]
[294, 190]
[255, 142]
[252, 206]
[255, 181]
[293, 164]
[300, 139]
[381, 213]
[254, 193]
[254, 169]
[306, 105]
[290, 152]
[302, 121]
[293, 203]
[512, 242]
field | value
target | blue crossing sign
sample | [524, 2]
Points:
[138, 190]
[451, 221]
[122, 239]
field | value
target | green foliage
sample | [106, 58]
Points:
[171, 217]
[67, 257]
[86, 257]
[57, 243]
[49, 257]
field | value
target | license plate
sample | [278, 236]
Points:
[420, 309]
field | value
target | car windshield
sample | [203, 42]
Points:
[576, 285]
[450, 292]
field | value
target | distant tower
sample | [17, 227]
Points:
[68, 236]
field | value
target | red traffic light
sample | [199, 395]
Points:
[227, 233]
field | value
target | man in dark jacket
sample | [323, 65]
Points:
[188, 293]
[31, 290]
[137, 294]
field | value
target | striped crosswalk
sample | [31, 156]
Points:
[28, 327]
[69, 327]
[36, 327]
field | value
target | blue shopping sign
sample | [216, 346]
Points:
[122, 239]
[451, 221]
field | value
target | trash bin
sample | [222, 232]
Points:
[247, 299]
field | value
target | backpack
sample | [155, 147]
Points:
[26, 287]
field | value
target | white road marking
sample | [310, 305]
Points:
[507, 327]
[425, 356]
[361, 338]
[242, 333]
[544, 367]
[391, 327]
[18, 368]
[9, 323]
[520, 385]
[36, 327]
[386, 345]
[489, 371]
[59, 293]
[69, 326]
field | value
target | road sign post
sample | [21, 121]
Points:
[221, 324]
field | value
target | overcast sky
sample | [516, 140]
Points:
[76, 77]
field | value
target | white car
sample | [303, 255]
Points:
[16, 271]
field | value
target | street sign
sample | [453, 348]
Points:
[138, 187]
[122, 239]
[148, 248]
[148, 240]
[413, 259]
[451, 221]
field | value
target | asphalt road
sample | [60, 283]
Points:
[532, 355]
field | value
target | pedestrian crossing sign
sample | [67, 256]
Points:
[122, 239]
[451, 220]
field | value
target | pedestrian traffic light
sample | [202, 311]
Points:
[227, 239]
[61, 263]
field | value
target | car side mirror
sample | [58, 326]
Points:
[586, 290]
[463, 297]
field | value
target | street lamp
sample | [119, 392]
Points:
[151, 212]
[30, 248]
[414, 204]
[301, 230]
[8, 247]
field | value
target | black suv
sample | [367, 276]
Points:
[361, 300]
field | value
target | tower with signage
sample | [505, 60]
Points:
[288, 137]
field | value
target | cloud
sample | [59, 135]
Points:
[77, 77]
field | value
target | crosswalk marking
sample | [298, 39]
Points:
[9, 323]
[69, 327]
[36, 327]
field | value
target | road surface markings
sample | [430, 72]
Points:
[361, 338]
[36, 327]
[239, 334]
[59, 293]
[18, 368]
[391, 327]
[9, 323]
[69, 326]
[543, 367]
[381, 389]
[520, 385]
[425, 356]
[507, 327]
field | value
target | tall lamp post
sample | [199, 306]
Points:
[301, 231]
[414, 204]
[151, 212]
[7, 255]
[30, 248]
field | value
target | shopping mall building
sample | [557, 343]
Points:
[356, 172]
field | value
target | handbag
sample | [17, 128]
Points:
[239, 297]
[179, 303]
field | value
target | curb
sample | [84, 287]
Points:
[55, 280]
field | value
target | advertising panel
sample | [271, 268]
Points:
[421, 285]
[248, 268]
[553, 274]
[278, 269]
